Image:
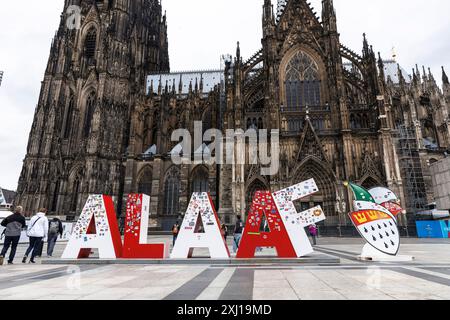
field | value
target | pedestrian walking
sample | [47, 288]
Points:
[175, 232]
[38, 232]
[14, 225]
[313, 233]
[238, 229]
[224, 231]
[55, 228]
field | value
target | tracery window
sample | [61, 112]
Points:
[69, 118]
[302, 83]
[89, 113]
[200, 180]
[90, 44]
[145, 182]
[172, 192]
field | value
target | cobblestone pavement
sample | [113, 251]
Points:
[428, 277]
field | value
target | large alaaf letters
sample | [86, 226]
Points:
[96, 229]
[200, 212]
[283, 227]
[136, 231]
[274, 233]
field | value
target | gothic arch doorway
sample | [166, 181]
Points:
[145, 181]
[326, 182]
[253, 187]
[200, 180]
[172, 187]
[370, 182]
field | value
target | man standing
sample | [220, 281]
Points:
[38, 232]
[238, 229]
[55, 228]
[14, 225]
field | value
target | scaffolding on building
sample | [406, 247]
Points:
[411, 170]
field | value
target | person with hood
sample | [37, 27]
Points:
[38, 232]
[14, 225]
[55, 228]
[313, 232]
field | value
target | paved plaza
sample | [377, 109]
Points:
[427, 278]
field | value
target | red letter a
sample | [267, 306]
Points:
[263, 205]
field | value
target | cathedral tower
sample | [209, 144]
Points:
[99, 59]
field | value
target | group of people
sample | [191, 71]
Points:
[238, 231]
[39, 230]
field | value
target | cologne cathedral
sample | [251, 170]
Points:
[109, 105]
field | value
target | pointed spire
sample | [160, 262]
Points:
[424, 74]
[268, 12]
[201, 83]
[238, 52]
[430, 75]
[365, 46]
[444, 77]
[180, 84]
[381, 66]
[151, 87]
[329, 16]
[173, 86]
[401, 79]
[160, 86]
[415, 80]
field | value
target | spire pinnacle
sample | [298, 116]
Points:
[444, 77]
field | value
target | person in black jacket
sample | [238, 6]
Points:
[14, 225]
[55, 228]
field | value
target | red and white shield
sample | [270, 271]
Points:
[379, 229]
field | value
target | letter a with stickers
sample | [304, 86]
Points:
[136, 231]
[200, 211]
[264, 206]
[96, 228]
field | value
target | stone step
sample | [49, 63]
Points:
[314, 259]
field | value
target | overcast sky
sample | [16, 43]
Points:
[199, 32]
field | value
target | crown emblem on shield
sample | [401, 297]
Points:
[360, 217]
[373, 215]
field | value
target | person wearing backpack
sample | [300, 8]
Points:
[14, 225]
[38, 232]
[55, 228]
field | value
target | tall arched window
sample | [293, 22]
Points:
[69, 118]
[172, 192]
[302, 83]
[90, 45]
[200, 180]
[89, 113]
[54, 203]
[145, 182]
[75, 195]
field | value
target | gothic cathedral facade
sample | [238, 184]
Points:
[109, 105]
